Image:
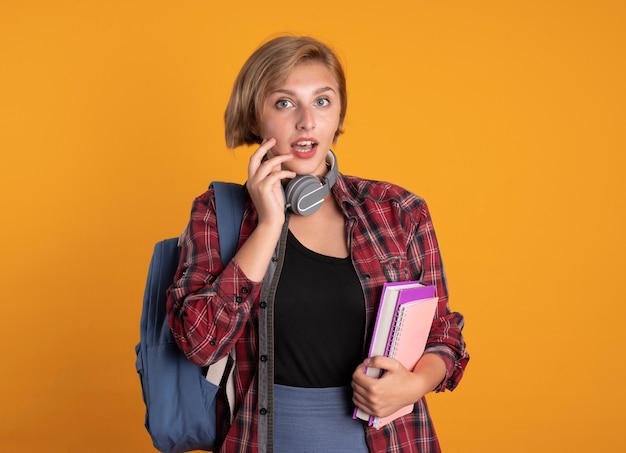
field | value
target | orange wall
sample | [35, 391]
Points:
[508, 117]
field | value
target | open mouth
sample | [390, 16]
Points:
[304, 146]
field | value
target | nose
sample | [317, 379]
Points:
[306, 121]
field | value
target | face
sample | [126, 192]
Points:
[302, 114]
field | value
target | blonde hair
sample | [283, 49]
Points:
[266, 68]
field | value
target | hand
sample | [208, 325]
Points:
[395, 389]
[265, 188]
[264, 183]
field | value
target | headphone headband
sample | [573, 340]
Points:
[331, 176]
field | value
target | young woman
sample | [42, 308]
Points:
[298, 301]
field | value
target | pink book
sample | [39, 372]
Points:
[393, 295]
[407, 342]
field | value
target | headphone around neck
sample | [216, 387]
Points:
[305, 194]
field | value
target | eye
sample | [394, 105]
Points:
[283, 104]
[322, 102]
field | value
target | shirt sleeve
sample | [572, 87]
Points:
[445, 339]
[209, 302]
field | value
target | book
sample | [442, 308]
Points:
[400, 331]
[393, 295]
[407, 341]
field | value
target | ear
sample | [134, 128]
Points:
[338, 132]
[255, 129]
[254, 132]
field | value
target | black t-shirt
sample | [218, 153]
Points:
[319, 319]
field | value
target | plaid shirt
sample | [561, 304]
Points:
[213, 307]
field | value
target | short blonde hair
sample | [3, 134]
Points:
[267, 67]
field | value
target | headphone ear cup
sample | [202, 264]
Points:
[304, 194]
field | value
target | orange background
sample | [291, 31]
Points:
[508, 117]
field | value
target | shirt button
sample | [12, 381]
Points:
[244, 290]
[263, 358]
[212, 342]
[263, 304]
[239, 299]
[263, 411]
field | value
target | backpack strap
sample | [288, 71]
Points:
[230, 202]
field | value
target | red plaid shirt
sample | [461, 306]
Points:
[213, 307]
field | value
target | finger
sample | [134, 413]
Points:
[382, 362]
[257, 156]
[359, 382]
[359, 394]
[364, 402]
[359, 373]
[360, 402]
[360, 369]
[270, 167]
[265, 146]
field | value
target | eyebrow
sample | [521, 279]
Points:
[289, 92]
